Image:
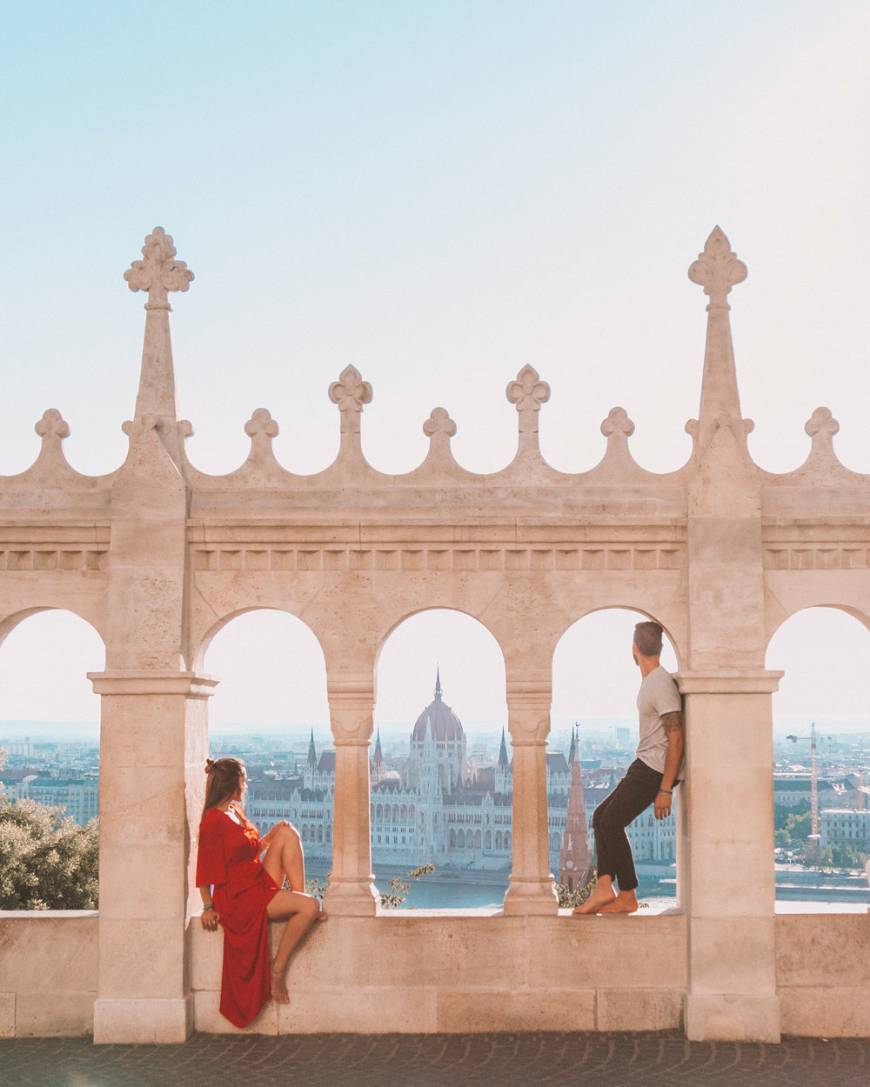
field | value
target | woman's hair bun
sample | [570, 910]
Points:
[209, 765]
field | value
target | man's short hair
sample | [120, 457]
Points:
[648, 638]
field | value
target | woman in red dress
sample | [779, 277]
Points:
[247, 893]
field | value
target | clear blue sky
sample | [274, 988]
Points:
[438, 193]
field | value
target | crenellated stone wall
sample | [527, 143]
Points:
[158, 556]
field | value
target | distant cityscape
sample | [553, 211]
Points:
[442, 796]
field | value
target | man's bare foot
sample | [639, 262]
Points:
[597, 900]
[624, 902]
[279, 988]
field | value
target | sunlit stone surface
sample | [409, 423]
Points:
[159, 556]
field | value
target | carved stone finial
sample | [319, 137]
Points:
[158, 272]
[717, 268]
[617, 424]
[52, 427]
[528, 392]
[261, 425]
[350, 392]
[822, 424]
[439, 422]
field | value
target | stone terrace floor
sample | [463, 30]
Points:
[435, 1060]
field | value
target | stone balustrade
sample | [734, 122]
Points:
[158, 556]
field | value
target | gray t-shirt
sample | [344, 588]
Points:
[658, 695]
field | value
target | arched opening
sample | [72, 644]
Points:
[270, 709]
[50, 762]
[440, 717]
[594, 739]
[821, 761]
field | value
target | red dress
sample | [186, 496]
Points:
[228, 856]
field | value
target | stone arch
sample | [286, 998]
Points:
[9, 622]
[637, 610]
[199, 648]
[777, 620]
[419, 609]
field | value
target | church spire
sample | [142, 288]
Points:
[379, 755]
[312, 753]
[502, 753]
[437, 683]
[574, 857]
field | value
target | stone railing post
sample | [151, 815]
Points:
[531, 889]
[727, 883]
[352, 889]
[153, 746]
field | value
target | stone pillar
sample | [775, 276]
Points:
[728, 876]
[531, 888]
[352, 889]
[153, 744]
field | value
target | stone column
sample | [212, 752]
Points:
[153, 744]
[531, 888]
[352, 889]
[728, 877]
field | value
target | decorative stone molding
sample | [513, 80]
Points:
[527, 392]
[350, 393]
[158, 272]
[351, 710]
[261, 428]
[447, 558]
[52, 428]
[617, 427]
[759, 681]
[439, 425]
[528, 703]
[62, 559]
[717, 268]
[122, 681]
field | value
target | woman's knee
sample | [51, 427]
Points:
[289, 833]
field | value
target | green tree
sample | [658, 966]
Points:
[47, 861]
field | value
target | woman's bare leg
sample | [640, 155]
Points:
[299, 911]
[285, 857]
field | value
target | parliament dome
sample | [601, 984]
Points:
[440, 719]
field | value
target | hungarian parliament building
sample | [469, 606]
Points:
[441, 808]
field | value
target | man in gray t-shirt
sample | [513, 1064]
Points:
[649, 780]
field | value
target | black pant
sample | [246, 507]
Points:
[634, 794]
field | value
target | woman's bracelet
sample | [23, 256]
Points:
[670, 792]
[210, 906]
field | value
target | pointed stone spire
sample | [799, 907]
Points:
[437, 683]
[573, 750]
[312, 752]
[158, 273]
[717, 270]
[574, 856]
[503, 761]
[377, 767]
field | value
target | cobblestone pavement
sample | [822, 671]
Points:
[330, 1060]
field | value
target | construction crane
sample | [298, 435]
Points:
[814, 841]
